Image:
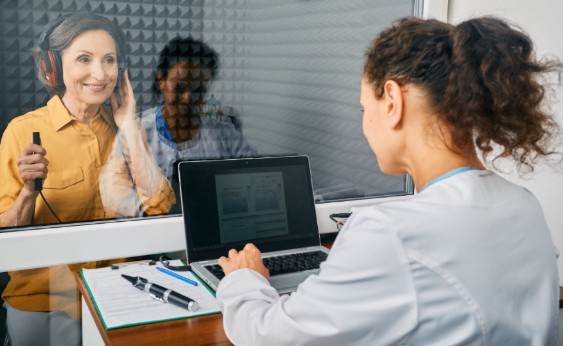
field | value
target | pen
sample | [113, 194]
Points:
[162, 294]
[177, 276]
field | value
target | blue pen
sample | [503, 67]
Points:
[177, 276]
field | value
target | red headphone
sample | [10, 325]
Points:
[50, 60]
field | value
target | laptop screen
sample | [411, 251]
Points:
[227, 203]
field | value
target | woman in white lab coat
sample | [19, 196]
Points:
[469, 259]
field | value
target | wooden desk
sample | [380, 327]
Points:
[202, 330]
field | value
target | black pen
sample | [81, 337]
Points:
[162, 294]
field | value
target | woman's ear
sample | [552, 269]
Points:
[393, 96]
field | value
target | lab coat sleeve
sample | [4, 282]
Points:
[364, 294]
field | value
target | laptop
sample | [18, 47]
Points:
[267, 201]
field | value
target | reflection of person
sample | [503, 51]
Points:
[177, 128]
[77, 135]
[469, 259]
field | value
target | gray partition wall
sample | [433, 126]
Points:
[290, 72]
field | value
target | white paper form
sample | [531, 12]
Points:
[120, 304]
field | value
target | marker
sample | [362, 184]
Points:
[162, 294]
[177, 276]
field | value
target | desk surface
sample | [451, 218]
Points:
[202, 330]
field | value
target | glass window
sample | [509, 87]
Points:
[270, 77]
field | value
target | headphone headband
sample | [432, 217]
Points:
[50, 60]
[44, 38]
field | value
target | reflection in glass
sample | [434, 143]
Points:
[182, 126]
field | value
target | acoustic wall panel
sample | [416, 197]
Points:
[301, 71]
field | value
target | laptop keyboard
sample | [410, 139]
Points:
[283, 264]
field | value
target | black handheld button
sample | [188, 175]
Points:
[38, 181]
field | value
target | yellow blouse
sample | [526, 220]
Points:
[76, 153]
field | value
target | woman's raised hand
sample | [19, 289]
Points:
[125, 109]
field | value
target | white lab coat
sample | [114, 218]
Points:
[468, 261]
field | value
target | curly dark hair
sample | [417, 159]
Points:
[482, 79]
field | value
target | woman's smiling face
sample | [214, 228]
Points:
[90, 67]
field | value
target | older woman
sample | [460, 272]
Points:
[80, 59]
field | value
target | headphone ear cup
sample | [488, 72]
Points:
[51, 66]
[58, 68]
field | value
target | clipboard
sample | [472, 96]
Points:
[120, 305]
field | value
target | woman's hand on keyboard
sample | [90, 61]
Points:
[249, 257]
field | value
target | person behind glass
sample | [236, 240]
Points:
[79, 58]
[469, 259]
[177, 128]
